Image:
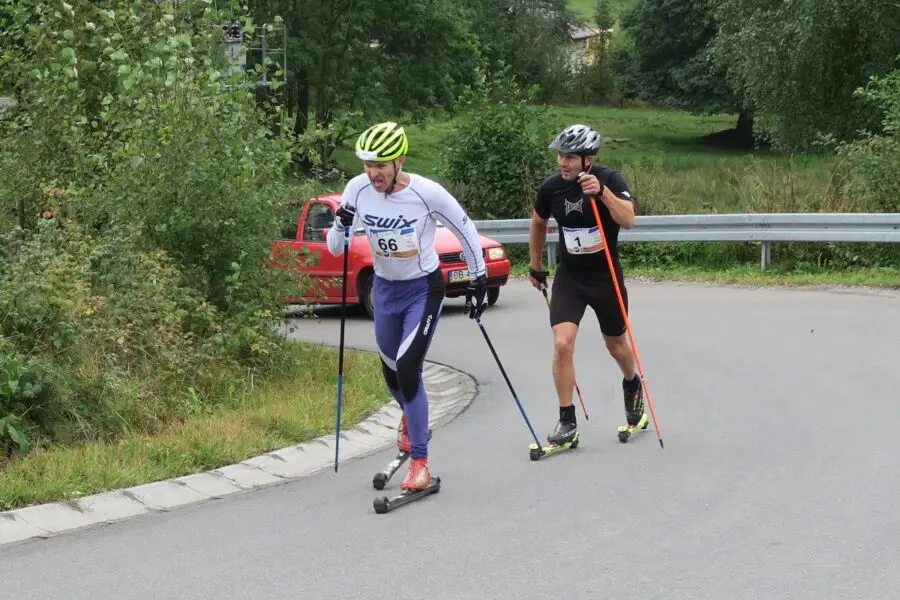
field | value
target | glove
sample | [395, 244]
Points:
[539, 276]
[344, 216]
[477, 290]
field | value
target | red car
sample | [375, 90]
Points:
[325, 271]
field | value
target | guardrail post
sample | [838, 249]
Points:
[551, 255]
[765, 254]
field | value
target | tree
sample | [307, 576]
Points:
[124, 118]
[531, 37]
[604, 15]
[798, 63]
[670, 56]
[355, 61]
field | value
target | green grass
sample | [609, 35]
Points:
[672, 167]
[295, 407]
[750, 274]
[669, 166]
[585, 8]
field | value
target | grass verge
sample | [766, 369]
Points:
[744, 274]
[674, 164]
[882, 277]
[297, 406]
[668, 161]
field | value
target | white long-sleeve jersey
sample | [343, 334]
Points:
[401, 227]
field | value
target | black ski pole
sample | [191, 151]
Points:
[340, 381]
[508, 383]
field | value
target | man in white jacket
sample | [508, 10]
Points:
[399, 213]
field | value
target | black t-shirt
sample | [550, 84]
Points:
[580, 248]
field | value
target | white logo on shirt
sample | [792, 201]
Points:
[574, 206]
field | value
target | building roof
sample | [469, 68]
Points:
[581, 32]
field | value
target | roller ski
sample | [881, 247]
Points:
[637, 419]
[418, 484]
[565, 436]
[403, 449]
[626, 431]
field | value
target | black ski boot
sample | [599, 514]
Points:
[566, 427]
[634, 400]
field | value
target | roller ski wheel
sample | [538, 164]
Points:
[626, 431]
[538, 452]
[385, 504]
[381, 478]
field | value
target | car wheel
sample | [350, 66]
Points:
[367, 295]
[492, 295]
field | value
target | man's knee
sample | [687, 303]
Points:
[617, 345]
[564, 339]
[390, 376]
[409, 374]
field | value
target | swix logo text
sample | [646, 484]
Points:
[388, 222]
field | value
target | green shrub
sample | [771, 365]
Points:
[138, 287]
[29, 400]
[496, 155]
[874, 160]
[102, 326]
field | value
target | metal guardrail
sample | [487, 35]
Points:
[762, 227]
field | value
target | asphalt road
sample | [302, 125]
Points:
[779, 478]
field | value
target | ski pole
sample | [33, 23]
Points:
[583, 409]
[634, 347]
[340, 381]
[508, 383]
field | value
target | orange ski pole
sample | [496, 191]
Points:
[634, 348]
[580, 399]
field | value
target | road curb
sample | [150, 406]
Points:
[450, 392]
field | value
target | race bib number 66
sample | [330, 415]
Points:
[400, 244]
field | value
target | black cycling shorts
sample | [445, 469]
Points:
[572, 294]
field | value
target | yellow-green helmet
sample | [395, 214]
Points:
[382, 142]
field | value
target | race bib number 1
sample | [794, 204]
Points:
[585, 240]
[396, 243]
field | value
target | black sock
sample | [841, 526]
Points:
[633, 383]
[567, 414]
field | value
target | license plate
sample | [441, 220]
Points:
[460, 275]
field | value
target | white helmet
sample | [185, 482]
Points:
[577, 139]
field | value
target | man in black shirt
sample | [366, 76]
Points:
[583, 278]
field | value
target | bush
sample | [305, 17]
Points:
[137, 287]
[873, 160]
[497, 152]
[129, 119]
[106, 335]
[28, 400]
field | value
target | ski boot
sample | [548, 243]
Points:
[562, 434]
[418, 477]
[563, 437]
[404, 447]
[418, 484]
[403, 444]
[634, 409]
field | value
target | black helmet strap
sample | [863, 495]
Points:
[390, 188]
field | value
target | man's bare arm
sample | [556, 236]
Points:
[537, 237]
[622, 211]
